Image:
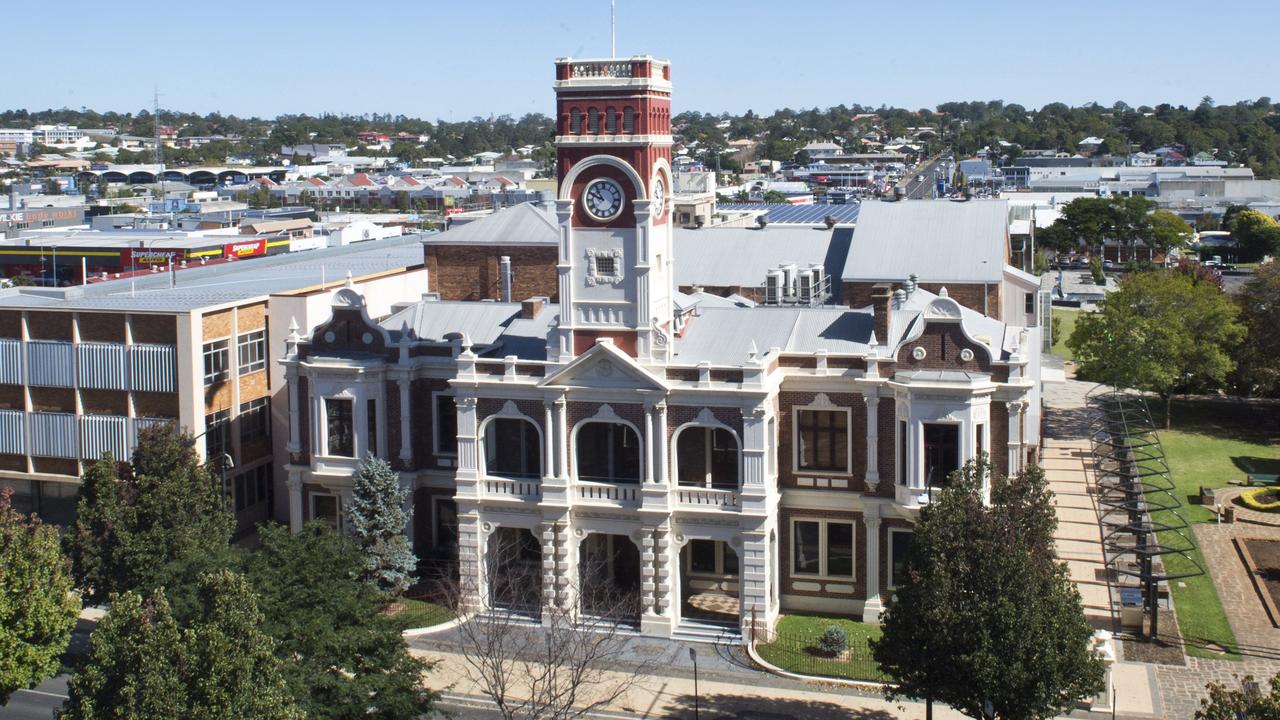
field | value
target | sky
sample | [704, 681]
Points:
[445, 59]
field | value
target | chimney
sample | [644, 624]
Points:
[882, 306]
[13, 196]
[530, 308]
[504, 272]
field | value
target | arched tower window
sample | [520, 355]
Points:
[575, 122]
[610, 120]
[593, 121]
[629, 120]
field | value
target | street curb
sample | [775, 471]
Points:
[433, 629]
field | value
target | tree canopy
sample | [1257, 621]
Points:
[1256, 234]
[37, 609]
[1162, 332]
[987, 619]
[1259, 370]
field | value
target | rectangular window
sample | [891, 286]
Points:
[902, 452]
[941, 452]
[606, 265]
[1029, 304]
[252, 349]
[217, 436]
[255, 420]
[446, 417]
[899, 549]
[807, 541]
[824, 440]
[702, 556]
[325, 509]
[217, 363]
[371, 422]
[340, 431]
[823, 547]
[979, 444]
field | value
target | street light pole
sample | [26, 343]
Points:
[693, 655]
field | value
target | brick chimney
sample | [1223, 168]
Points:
[881, 308]
[530, 308]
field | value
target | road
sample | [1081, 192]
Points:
[46, 699]
[923, 190]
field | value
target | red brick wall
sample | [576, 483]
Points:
[1000, 438]
[859, 581]
[886, 439]
[970, 295]
[470, 272]
[943, 342]
[421, 423]
[787, 401]
[391, 391]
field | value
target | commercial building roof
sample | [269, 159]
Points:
[224, 283]
[523, 224]
[740, 257]
[936, 240]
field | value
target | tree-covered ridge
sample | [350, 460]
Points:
[1243, 133]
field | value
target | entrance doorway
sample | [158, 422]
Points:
[609, 578]
[709, 583]
[514, 566]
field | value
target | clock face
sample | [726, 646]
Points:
[659, 196]
[602, 199]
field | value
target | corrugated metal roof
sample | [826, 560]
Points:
[524, 224]
[740, 257]
[226, 282]
[937, 240]
[724, 335]
[487, 325]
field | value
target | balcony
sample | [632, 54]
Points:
[607, 494]
[713, 499]
[523, 490]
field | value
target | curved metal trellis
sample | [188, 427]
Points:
[1137, 499]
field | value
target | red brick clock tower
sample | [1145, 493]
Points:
[613, 163]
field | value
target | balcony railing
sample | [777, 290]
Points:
[601, 70]
[706, 498]
[512, 488]
[608, 493]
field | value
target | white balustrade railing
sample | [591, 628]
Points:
[601, 69]
[512, 488]
[609, 493]
[706, 497]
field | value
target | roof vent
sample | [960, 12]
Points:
[899, 297]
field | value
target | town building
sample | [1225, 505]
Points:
[83, 369]
[714, 462]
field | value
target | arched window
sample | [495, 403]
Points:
[628, 120]
[593, 121]
[575, 122]
[607, 452]
[610, 120]
[512, 448]
[707, 457]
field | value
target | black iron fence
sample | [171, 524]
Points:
[801, 653]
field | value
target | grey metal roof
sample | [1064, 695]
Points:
[740, 257]
[937, 240]
[493, 328]
[724, 335]
[226, 282]
[523, 224]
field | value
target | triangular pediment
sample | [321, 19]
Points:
[606, 367]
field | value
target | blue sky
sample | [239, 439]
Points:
[450, 59]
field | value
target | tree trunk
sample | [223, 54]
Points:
[1168, 411]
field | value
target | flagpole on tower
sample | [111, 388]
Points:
[613, 28]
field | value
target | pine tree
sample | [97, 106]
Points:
[377, 520]
[134, 669]
[988, 620]
[233, 672]
[37, 609]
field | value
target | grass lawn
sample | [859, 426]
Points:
[414, 613]
[1212, 443]
[796, 648]
[1067, 324]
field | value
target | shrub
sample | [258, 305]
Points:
[834, 640]
[1095, 267]
[1265, 499]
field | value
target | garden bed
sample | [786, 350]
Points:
[796, 648]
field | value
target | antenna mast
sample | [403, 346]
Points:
[613, 28]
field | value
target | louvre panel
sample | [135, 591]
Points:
[54, 435]
[104, 433]
[101, 365]
[13, 434]
[50, 363]
[11, 362]
[152, 367]
[140, 424]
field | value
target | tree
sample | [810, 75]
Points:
[377, 521]
[773, 197]
[129, 673]
[1168, 232]
[37, 608]
[1256, 234]
[159, 521]
[343, 658]
[988, 620]
[1160, 332]
[1259, 368]
[569, 666]
[142, 665]
[1224, 704]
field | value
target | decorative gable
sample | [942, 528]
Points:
[605, 367]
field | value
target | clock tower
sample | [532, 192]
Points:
[613, 163]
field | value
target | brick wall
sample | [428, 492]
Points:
[469, 272]
[886, 439]
[859, 581]
[49, 325]
[217, 325]
[391, 391]
[48, 399]
[12, 398]
[160, 329]
[253, 386]
[104, 402]
[10, 325]
[102, 327]
[147, 404]
[421, 421]
[787, 401]
[970, 295]
[943, 342]
[1000, 438]
[251, 317]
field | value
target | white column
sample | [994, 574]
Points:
[873, 605]
[549, 455]
[295, 408]
[406, 427]
[873, 442]
[294, 482]
[1015, 436]
[649, 433]
[468, 430]
[471, 542]
[562, 438]
[660, 476]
